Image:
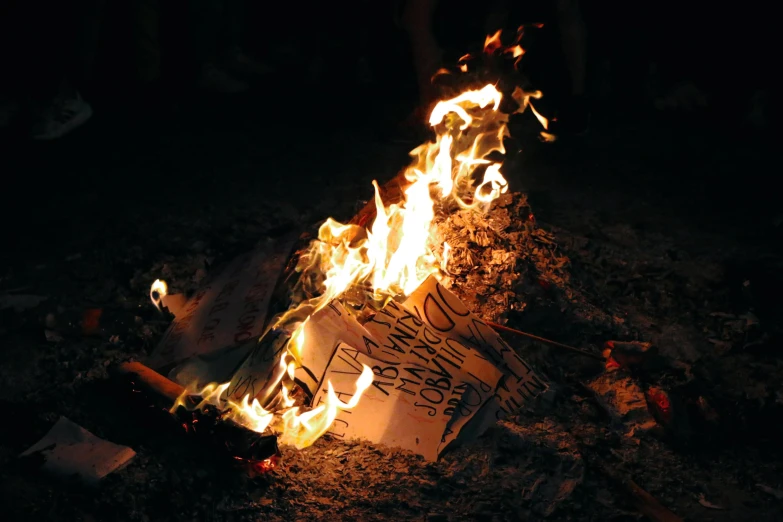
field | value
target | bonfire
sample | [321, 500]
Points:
[376, 263]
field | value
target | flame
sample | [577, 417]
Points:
[299, 429]
[158, 291]
[302, 429]
[444, 263]
[394, 255]
[492, 42]
[515, 51]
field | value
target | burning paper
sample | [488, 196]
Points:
[322, 332]
[399, 408]
[440, 375]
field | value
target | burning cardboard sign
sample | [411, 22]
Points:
[441, 375]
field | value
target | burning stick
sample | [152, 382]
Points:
[151, 381]
[207, 424]
[585, 353]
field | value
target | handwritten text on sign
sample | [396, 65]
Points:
[458, 374]
[402, 407]
[445, 314]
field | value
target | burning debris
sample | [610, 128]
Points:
[372, 346]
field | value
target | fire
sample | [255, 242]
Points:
[302, 429]
[298, 429]
[394, 255]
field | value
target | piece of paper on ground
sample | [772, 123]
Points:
[68, 449]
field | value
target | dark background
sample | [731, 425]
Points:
[161, 147]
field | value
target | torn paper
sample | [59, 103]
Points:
[68, 449]
[323, 331]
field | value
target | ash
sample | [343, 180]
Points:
[497, 256]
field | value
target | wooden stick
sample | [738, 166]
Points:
[207, 425]
[500, 328]
[151, 380]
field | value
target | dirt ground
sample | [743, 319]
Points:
[654, 230]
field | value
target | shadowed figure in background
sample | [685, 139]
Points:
[217, 35]
[417, 20]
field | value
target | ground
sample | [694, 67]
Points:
[669, 232]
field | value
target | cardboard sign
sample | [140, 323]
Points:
[447, 316]
[322, 333]
[427, 385]
[401, 408]
[230, 310]
[462, 372]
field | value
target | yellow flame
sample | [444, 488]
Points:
[158, 291]
[397, 252]
[296, 344]
[299, 429]
[302, 429]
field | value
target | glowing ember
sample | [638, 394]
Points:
[394, 255]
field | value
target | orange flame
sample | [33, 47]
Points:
[492, 42]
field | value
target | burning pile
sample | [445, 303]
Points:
[372, 341]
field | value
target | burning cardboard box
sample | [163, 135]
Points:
[372, 346]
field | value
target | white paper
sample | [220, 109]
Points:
[322, 333]
[399, 409]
